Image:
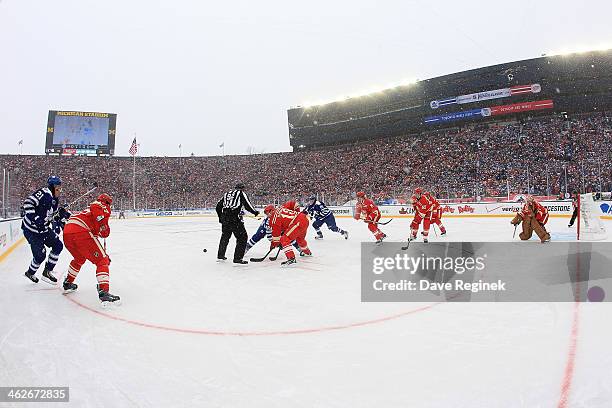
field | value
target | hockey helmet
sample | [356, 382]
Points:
[53, 181]
[418, 190]
[530, 198]
[105, 199]
[269, 208]
[360, 194]
[239, 186]
[312, 198]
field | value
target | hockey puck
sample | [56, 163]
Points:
[204, 250]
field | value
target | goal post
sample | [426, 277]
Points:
[590, 226]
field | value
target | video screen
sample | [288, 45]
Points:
[78, 130]
[81, 133]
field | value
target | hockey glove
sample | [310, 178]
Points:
[61, 216]
[64, 214]
[41, 225]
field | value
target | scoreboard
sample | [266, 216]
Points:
[81, 133]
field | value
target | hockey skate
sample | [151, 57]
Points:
[48, 277]
[288, 262]
[380, 240]
[319, 235]
[443, 233]
[107, 299]
[31, 276]
[240, 262]
[305, 253]
[69, 286]
[219, 260]
[345, 234]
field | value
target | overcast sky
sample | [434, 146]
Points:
[201, 73]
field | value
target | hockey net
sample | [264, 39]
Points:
[590, 225]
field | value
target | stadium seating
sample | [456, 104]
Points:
[461, 162]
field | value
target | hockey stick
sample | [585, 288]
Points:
[514, 234]
[273, 258]
[262, 258]
[379, 223]
[95, 185]
[407, 246]
[67, 205]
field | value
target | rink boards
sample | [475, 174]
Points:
[561, 208]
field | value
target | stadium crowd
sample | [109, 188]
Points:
[536, 156]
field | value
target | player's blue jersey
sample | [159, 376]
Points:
[39, 208]
[264, 230]
[318, 210]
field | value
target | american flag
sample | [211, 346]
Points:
[133, 148]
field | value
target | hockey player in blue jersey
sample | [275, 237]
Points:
[322, 215]
[264, 230]
[41, 211]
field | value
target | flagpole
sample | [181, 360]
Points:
[134, 183]
[3, 193]
[134, 178]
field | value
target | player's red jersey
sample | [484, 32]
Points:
[369, 212]
[292, 205]
[540, 212]
[435, 204]
[366, 209]
[422, 206]
[93, 219]
[413, 200]
[284, 221]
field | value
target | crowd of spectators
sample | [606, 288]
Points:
[535, 156]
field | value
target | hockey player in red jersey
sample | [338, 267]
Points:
[422, 212]
[436, 212]
[292, 205]
[81, 240]
[370, 214]
[288, 225]
[533, 216]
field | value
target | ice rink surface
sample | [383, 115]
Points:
[192, 332]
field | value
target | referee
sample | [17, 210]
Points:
[229, 210]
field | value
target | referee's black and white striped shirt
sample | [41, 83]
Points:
[232, 203]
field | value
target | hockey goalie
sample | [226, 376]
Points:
[534, 217]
